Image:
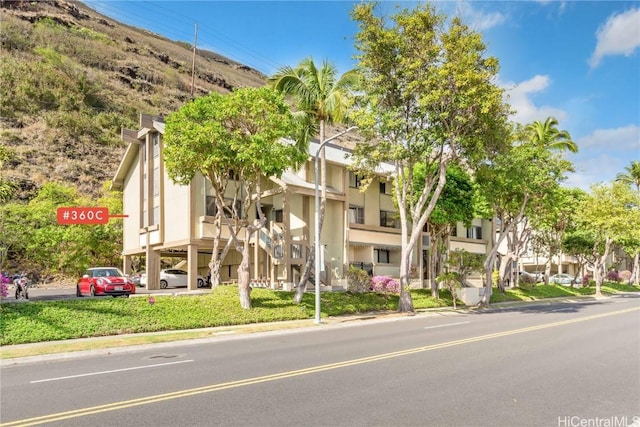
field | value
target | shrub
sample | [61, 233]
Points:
[587, 281]
[357, 280]
[385, 284]
[613, 276]
[625, 275]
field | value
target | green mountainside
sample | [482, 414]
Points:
[71, 78]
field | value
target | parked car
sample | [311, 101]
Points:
[136, 278]
[529, 277]
[104, 281]
[563, 279]
[173, 277]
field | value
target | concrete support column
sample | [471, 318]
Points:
[126, 264]
[192, 267]
[152, 268]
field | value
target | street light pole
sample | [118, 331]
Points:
[317, 224]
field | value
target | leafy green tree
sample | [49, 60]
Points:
[608, 212]
[631, 176]
[551, 218]
[235, 141]
[513, 183]
[454, 205]
[320, 97]
[30, 232]
[548, 134]
[579, 244]
[428, 96]
[7, 188]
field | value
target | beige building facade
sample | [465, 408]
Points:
[170, 224]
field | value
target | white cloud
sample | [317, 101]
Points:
[620, 35]
[595, 170]
[602, 155]
[476, 19]
[520, 95]
[619, 139]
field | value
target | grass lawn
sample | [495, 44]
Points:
[39, 321]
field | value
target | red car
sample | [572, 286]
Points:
[104, 281]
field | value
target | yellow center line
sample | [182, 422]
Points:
[289, 374]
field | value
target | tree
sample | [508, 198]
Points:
[454, 204]
[320, 98]
[551, 220]
[7, 188]
[235, 141]
[30, 231]
[608, 212]
[549, 136]
[428, 96]
[579, 244]
[514, 183]
[632, 176]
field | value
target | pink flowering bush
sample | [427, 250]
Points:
[613, 276]
[625, 275]
[385, 284]
[4, 281]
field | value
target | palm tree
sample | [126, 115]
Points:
[632, 176]
[549, 136]
[320, 98]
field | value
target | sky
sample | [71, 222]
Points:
[577, 61]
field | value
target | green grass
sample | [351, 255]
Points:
[557, 291]
[40, 321]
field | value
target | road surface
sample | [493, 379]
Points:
[564, 364]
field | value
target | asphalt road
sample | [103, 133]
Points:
[37, 293]
[565, 364]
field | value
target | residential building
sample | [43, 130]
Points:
[361, 227]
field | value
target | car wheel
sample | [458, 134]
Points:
[78, 293]
[163, 284]
[92, 292]
[200, 283]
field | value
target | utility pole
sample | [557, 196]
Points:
[193, 64]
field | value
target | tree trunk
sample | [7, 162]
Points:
[405, 304]
[306, 273]
[635, 276]
[433, 268]
[243, 276]
[599, 267]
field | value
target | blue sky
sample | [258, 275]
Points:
[578, 61]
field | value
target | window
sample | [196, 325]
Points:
[355, 181]
[389, 219]
[278, 215]
[385, 187]
[474, 232]
[356, 215]
[454, 230]
[381, 255]
[155, 140]
[212, 209]
[151, 181]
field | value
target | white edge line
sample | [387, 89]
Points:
[448, 324]
[109, 372]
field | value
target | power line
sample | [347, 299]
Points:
[207, 34]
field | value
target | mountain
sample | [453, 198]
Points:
[71, 79]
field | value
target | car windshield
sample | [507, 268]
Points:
[106, 272]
